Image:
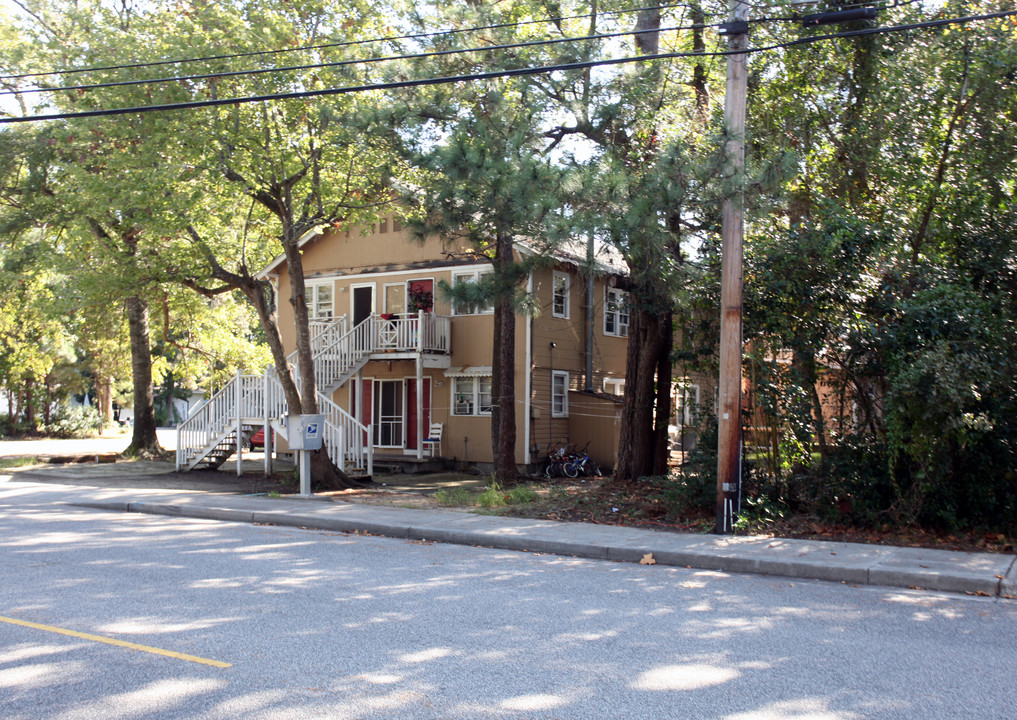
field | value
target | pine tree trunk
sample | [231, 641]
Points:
[144, 439]
[640, 440]
[662, 417]
[503, 414]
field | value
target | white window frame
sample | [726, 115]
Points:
[384, 292]
[312, 292]
[618, 315]
[614, 386]
[470, 276]
[564, 296]
[472, 400]
[559, 395]
[686, 396]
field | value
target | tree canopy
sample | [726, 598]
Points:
[880, 236]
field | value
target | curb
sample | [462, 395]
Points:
[884, 566]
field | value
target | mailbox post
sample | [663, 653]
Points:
[306, 433]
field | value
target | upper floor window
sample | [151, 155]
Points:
[616, 312]
[395, 298]
[464, 308]
[319, 300]
[560, 303]
[614, 386]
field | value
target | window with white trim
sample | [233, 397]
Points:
[560, 301]
[614, 386]
[686, 403]
[471, 395]
[559, 393]
[319, 300]
[395, 298]
[616, 312]
[471, 276]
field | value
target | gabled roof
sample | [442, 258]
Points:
[304, 239]
[606, 259]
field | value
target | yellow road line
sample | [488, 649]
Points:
[113, 641]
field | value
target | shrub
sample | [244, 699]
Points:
[74, 421]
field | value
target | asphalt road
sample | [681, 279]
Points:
[322, 625]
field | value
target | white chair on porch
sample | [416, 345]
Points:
[433, 439]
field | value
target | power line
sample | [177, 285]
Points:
[348, 43]
[516, 72]
[345, 63]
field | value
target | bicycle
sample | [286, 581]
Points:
[581, 465]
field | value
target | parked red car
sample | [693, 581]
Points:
[257, 440]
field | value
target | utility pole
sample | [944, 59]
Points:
[729, 421]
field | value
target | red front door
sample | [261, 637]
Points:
[367, 388]
[411, 411]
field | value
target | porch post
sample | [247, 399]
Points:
[420, 406]
[265, 391]
[358, 406]
[238, 405]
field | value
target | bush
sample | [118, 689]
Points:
[681, 492]
[74, 421]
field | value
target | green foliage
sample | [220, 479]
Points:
[758, 512]
[950, 432]
[682, 492]
[881, 233]
[454, 497]
[6, 463]
[493, 497]
[75, 421]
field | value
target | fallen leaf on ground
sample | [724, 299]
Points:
[648, 559]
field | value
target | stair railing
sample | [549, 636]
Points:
[344, 437]
[209, 422]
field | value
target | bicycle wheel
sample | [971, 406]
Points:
[571, 469]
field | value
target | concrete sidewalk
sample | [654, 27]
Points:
[986, 574]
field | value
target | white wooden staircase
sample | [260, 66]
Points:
[225, 423]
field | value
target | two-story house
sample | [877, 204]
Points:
[429, 361]
[399, 366]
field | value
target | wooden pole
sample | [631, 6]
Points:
[730, 380]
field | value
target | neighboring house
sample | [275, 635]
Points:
[393, 358]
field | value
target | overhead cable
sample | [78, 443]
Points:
[347, 43]
[515, 72]
[346, 63]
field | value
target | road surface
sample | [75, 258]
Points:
[228, 620]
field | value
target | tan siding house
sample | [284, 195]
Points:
[412, 375]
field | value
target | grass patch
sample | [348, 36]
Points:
[522, 495]
[493, 497]
[454, 497]
[16, 462]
